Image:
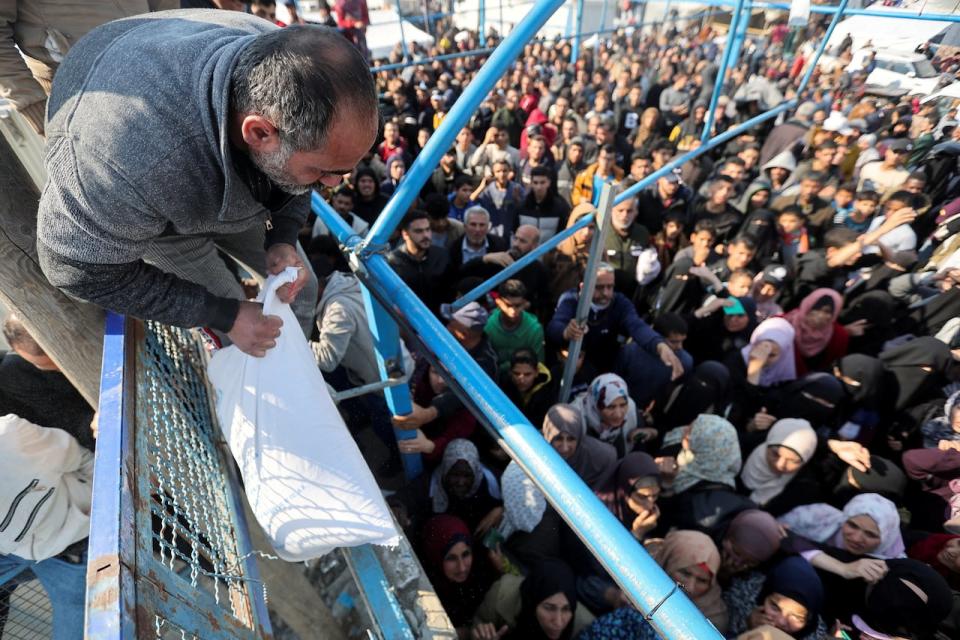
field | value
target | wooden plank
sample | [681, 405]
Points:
[70, 331]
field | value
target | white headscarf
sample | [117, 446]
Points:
[821, 522]
[523, 503]
[795, 434]
[782, 332]
[457, 450]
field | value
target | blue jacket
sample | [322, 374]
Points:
[608, 328]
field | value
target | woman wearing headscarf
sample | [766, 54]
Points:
[790, 598]
[565, 265]
[820, 340]
[565, 429]
[704, 489]
[459, 577]
[720, 327]
[761, 225]
[919, 367]
[851, 543]
[761, 366]
[910, 601]
[942, 552]
[815, 398]
[609, 412]
[461, 486]
[692, 559]
[542, 605]
[752, 538]
[705, 391]
[633, 494]
[790, 444]
[530, 530]
[865, 385]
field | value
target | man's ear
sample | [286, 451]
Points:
[259, 133]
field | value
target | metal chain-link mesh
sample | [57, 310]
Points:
[192, 526]
[25, 612]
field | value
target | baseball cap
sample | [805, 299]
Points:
[900, 145]
[775, 274]
[472, 316]
[674, 176]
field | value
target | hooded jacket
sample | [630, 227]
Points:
[45, 489]
[345, 337]
[784, 160]
[137, 148]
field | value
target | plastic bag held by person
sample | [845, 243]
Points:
[305, 479]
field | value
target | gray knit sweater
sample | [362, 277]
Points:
[137, 148]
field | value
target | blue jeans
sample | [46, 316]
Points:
[65, 584]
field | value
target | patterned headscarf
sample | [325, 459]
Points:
[713, 454]
[460, 449]
[523, 503]
[602, 391]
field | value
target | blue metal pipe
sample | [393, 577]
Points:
[386, 339]
[749, 124]
[817, 8]
[522, 263]
[624, 558]
[575, 49]
[722, 71]
[403, 38]
[823, 47]
[442, 58]
[456, 119]
[481, 20]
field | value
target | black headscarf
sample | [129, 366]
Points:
[632, 467]
[796, 579]
[814, 398]
[909, 363]
[869, 372]
[910, 601]
[705, 392]
[879, 309]
[931, 317]
[883, 477]
[546, 578]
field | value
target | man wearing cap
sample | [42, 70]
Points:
[888, 175]
[466, 325]
[667, 195]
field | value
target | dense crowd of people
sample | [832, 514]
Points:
[766, 395]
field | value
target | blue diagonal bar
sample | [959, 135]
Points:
[495, 66]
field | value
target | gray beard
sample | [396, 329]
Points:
[273, 165]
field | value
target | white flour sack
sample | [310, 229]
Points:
[305, 479]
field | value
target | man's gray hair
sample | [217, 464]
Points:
[300, 78]
[605, 267]
[477, 210]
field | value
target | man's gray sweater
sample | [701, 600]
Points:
[138, 148]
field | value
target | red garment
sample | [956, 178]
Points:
[350, 12]
[461, 424]
[811, 341]
[823, 361]
[440, 534]
[385, 150]
[547, 130]
[927, 550]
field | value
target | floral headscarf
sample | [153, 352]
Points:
[460, 449]
[713, 454]
[523, 503]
